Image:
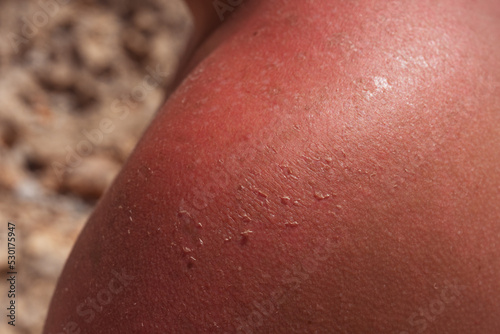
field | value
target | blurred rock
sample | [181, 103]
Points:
[57, 76]
[59, 82]
[9, 133]
[10, 172]
[91, 178]
[96, 41]
[46, 252]
[136, 43]
[146, 20]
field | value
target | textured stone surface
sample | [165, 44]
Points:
[61, 140]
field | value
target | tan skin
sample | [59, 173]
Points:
[205, 22]
[325, 167]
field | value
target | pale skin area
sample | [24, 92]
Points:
[327, 167]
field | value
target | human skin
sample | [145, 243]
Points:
[326, 167]
[205, 21]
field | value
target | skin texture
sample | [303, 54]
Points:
[327, 167]
[205, 21]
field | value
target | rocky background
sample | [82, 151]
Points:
[79, 82]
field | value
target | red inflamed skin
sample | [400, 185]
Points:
[324, 167]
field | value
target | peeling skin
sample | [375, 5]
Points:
[281, 99]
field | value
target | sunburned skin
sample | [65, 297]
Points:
[325, 167]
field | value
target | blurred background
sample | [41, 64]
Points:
[79, 82]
